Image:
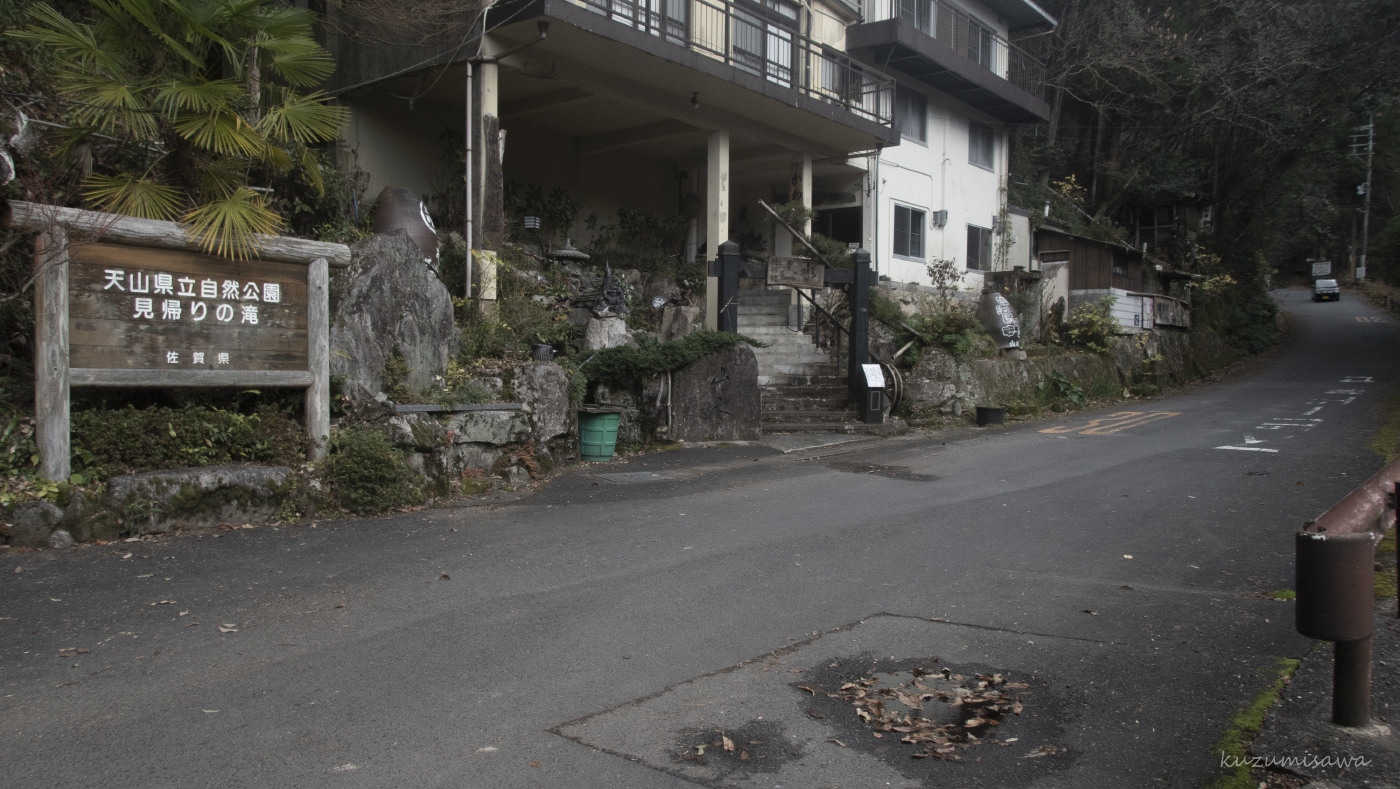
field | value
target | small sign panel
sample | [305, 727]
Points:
[796, 273]
[156, 309]
[1321, 268]
[874, 376]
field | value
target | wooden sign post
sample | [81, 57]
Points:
[125, 302]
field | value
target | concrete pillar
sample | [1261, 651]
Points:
[805, 165]
[716, 216]
[490, 184]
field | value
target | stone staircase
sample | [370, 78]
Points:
[803, 391]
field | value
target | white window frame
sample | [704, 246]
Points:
[924, 100]
[972, 127]
[922, 213]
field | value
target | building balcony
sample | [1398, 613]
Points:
[949, 50]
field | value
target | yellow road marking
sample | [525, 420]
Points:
[1113, 423]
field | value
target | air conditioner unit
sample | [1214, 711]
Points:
[940, 218]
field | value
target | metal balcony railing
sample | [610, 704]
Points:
[762, 39]
[966, 36]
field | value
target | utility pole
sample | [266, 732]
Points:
[1364, 142]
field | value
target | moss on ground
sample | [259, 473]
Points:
[1386, 575]
[1245, 727]
[1386, 442]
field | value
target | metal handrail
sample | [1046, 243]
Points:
[817, 325]
[767, 45]
[967, 36]
[1335, 582]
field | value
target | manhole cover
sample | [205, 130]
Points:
[629, 477]
[893, 472]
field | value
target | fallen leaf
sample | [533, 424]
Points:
[228, 629]
[743, 755]
[1125, 586]
[19, 569]
[534, 764]
[700, 750]
[126, 555]
[726, 742]
[1127, 556]
[1011, 739]
[225, 527]
[815, 714]
[1087, 611]
[838, 742]
[809, 690]
[182, 613]
[487, 749]
[341, 605]
[444, 577]
[345, 768]
[211, 712]
[1044, 750]
[56, 599]
[192, 624]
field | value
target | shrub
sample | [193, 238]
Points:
[1092, 326]
[948, 323]
[625, 364]
[369, 474]
[1057, 389]
[107, 442]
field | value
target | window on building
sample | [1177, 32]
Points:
[911, 113]
[979, 248]
[909, 232]
[982, 145]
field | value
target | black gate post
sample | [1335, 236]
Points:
[729, 265]
[860, 329]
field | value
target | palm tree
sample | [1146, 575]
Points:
[201, 98]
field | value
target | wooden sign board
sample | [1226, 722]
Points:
[120, 301]
[796, 273]
[155, 309]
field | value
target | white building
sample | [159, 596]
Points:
[889, 119]
[941, 193]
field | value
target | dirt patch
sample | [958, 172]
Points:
[755, 747]
[893, 472]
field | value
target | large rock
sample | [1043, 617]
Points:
[544, 388]
[678, 321]
[496, 428]
[387, 300]
[32, 523]
[717, 398]
[601, 333]
[162, 501]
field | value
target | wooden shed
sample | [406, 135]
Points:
[1094, 269]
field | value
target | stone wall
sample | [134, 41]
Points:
[942, 383]
[513, 445]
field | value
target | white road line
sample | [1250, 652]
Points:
[1310, 413]
[1249, 449]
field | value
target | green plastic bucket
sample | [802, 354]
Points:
[597, 435]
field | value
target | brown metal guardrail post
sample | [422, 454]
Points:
[1335, 571]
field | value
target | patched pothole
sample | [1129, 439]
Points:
[893, 472]
[922, 713]
[939, 712]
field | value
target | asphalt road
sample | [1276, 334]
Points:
[594, 633]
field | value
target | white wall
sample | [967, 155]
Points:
[936, 176]
[399, 146]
